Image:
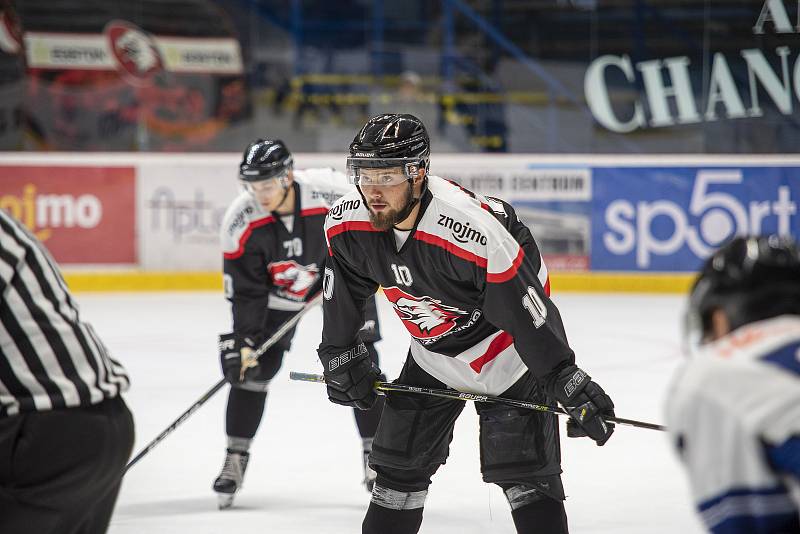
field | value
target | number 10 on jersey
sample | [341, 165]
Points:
[402, 275]
[535, 306]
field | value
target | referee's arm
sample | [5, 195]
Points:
[9, 261]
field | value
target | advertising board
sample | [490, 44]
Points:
[180, 207]
[83, 214]
[672, 218]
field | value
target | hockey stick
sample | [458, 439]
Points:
[382, 387]
[279, 333]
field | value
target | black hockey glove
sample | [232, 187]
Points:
[235, 356]
[586, 403]
[351, 377]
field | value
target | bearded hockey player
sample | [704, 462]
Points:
[466, 278]
[274, 247]
[734, 410]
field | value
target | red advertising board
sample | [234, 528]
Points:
[81, 214]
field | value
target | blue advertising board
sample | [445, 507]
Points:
[672, 218]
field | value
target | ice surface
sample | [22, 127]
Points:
[305, 468]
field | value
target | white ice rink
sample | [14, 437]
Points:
[305, 469]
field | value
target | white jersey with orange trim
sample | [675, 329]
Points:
[273, 261]
[733, 413]
[469, 285]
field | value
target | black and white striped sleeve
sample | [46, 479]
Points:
[8, 266]
[51, 359]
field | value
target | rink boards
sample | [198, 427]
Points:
[212, 281]
[604, 223]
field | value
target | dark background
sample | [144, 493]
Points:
[489, 75]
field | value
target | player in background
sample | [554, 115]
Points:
[274, 248]
[466, 278]
[733, 411]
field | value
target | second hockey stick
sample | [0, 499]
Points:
[274, 338]
[382, 387]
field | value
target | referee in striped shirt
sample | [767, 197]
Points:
[65, 432]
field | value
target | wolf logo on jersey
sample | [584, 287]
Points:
[424, 317]
[294, 280]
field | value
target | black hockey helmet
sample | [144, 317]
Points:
[750, 279]
[390, 140]
[265, 158]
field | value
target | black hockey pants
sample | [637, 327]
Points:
[60, 470]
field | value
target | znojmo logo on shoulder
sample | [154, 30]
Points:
[719, 208]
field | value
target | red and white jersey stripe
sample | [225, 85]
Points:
[489, 367]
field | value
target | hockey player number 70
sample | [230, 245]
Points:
[535, 306]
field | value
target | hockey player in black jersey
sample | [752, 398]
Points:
[274, 247]
[466, 278]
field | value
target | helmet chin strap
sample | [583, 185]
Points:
[406, 211]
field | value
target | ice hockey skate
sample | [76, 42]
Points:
[230, 479]
[369, 473]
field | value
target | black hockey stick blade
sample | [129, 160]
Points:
[274, 338]
[382, 387]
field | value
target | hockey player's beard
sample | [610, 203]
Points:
[386, 219]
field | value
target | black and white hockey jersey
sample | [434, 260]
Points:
[469, 285]
[273, 262]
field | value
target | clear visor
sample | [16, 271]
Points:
[692, 334]
[264, 187]
[381, 172]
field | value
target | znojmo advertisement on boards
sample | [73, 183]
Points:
[83, 214]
